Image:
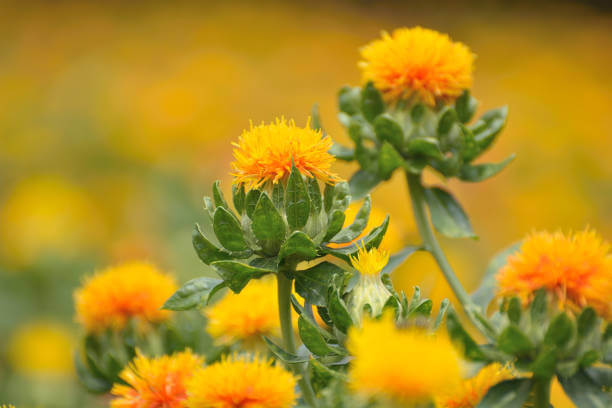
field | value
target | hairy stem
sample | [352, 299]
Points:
[541, 393]
[284, 312]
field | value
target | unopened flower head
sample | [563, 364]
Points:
[417, 62]
[242, 382]
[369, 290]
[404, 365]
[156, 382]
[265, 153]
[115, 295]
[246, 316]
[576, 268]
[472, 390]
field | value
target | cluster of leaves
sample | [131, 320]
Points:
[412, 137]
[544, 342]
[103, 355]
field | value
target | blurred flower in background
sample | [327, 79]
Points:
[115, 118]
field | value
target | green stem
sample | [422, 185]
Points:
[541, 393]
[417, 196]
[285, 286]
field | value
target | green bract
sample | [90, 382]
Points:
[413, 136]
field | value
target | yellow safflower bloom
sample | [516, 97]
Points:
[576, 268]
[473, 389]
[370, 262]
[405, 366]
[265, 153]
[245, 316]
[41, 349]
[242, 382]
[156, 382]
[113, 296]
[417, 62]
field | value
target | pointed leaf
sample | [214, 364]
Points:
[424, 146]
[338, 312]
[321, 376]
[239, 197]
[297, 201]
[481, 172]
[268, 225]
[206, 251]
[342, 152]
[251, 200]
[447, 215]
[507, 394]
[461, 336]
[353, 231]
[298, 247]
[513, 341]
[388, 160]
[313, 340]
[91, 382]
[349, 100]
[228, 231]
[446, 121]
[387, 129]
[560, 331]
[218, 196]
[283, 355]
[584, 392]
[237, 274]
[465, 106]
[193, 294]
[334, 225]
[371, 240]
[489, 126]
[443, 307]
[372, 103]
[312, 284]
[316, 201]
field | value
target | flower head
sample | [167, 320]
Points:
[473, 389]
[266, 153]
[417, 62]
[242, 382]
[576, 268]
[156, 382]
[42, 349]
[370, 262]
[113, 296]
[405, 365]
[245, 316]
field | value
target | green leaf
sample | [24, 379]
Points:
[600, 375]
[388, 160]
[538, 307]
[193, 294]
[218, 196]
[312, 284]
[206, 251]
[297, 201]
[587, 321]
[461, 336]
[321, 376]
[313, 340]
[268, 226]
[283, 355]
[507, 394]
[465, 106]
[514, 310]
[481, 172]
[447, 215]
[278, 195]
[298, 247]
[560, 331]
[316, 201]
[237, 274]
[92, 383]
[349, 100]
[342, 152]
[424, 146]
[334, 225]
[372, 103]
[351, 232]
[489, 126]
[371, 240]
[362, 182]
[399, 257]
[228, 231]
[341, 197]
[388, 130]
[544, 365]
[252, 198]
[443, 307]
[469, 148]
[446, 121]
[584, 392]
[239, 198]
[513, 341]
[338, 312]
[485, 293]
[417, 114]
[316, 118]
[423, 308]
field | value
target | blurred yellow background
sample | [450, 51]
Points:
[116, 118]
